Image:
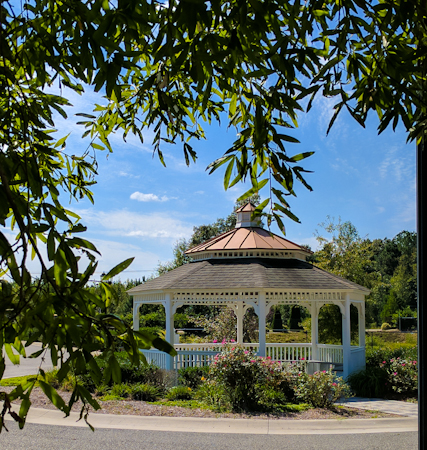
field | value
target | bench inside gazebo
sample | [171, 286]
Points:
[249, 267]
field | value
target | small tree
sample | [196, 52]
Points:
[277, 324]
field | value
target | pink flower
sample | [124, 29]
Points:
[384, 362]
[268, 357]
[252, 361]
[394, 373]
[302, 359]
[224, 341]
[232, 340]
[403, 364]
[246, 352]
[334, 384]
[215, 341]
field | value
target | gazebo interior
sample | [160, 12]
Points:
[249, 267]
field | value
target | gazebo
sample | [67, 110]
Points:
[251, 267]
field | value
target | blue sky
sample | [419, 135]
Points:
[141, 208]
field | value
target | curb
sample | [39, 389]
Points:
[231, 426]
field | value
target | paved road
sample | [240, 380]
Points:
[43, 437]
[28, 366]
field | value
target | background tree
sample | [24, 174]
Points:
[387, 267]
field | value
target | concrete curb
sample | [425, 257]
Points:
[234, 426]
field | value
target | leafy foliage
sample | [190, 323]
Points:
[170, 67]
[322, 389]
[248, 382]
[387, 267]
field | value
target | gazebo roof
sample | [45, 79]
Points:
[248, 258]
[253, 238]
[248, 273]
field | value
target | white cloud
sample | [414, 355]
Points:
[113, 253]
[140, 197]
[125, 223]
[397, 165]
[122, 173]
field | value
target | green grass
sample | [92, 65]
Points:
[192, 404]
[296, 407]
[287, 337]
[15, 381]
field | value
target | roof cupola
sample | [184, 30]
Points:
[244, 217]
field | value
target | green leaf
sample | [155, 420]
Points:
[117, 269]
[54, 397]
[301, 156]
[227, 174]
[14, 359]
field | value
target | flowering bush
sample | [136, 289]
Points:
[402, 375]
[322, 389]
[249, 381]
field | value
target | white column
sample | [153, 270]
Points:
[314, 310]
[135, 316]
[362, 328]
[346, 338]
[240, 313]
[261, 324]
[169, 329]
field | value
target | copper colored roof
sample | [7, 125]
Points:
[253, 238]
[250, 273]
[246, 208]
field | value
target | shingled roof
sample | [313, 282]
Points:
[249, 273]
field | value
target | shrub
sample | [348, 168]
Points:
[322, 389]
[391, 375]
[385, 326]
[371, 382]
[144, 392]
[376, 357]
[192, 377]
[179, 393]
[247, 380]
[214, 395]
[145, 373]
[121, 390]
[402, 375]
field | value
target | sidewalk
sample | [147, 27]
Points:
[388, 406]
[245, 426]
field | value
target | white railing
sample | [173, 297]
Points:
[330, 353]
[288, 352]
[196, 355]
[193, 359]
[201, 347]
[155, 357]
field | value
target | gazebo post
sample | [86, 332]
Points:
[261, 324]
[361, 317]
[169, 329]
[346, 339]
[239, 310]
[136, 316]
[314, 310]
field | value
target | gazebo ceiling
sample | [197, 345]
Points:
[248, 273]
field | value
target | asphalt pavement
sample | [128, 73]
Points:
[28, 366]
[45, 437]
